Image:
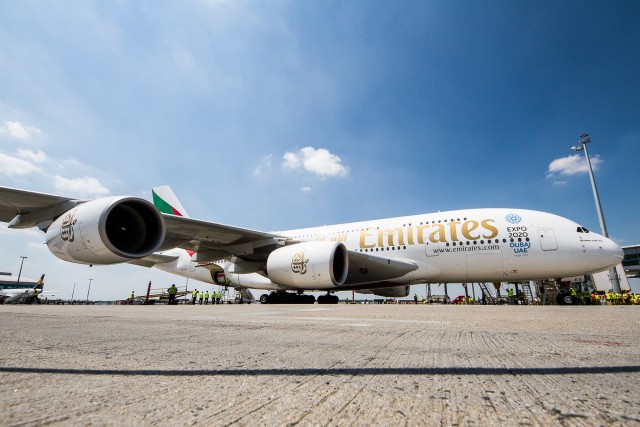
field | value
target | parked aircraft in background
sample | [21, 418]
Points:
[10, 287]
[384, 257]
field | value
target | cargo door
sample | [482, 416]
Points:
[432, 249]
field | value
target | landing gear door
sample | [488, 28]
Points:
[548, 240]
[432, 249]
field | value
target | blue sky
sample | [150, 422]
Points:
[286, 114]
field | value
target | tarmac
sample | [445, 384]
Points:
[360, 365]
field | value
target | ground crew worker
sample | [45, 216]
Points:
[133, 295]
[217, 297]
[415, 298]
[510, 296]
[206, 297]
[194, 295]
[35, 295]
[201, 297]
[172, 294]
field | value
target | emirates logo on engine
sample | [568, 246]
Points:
[66, 229]
[299, 263]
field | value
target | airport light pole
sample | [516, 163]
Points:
[20, 272]
[584, 140]
[89, 289]
[73, 291]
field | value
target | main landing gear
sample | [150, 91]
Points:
[282, 297]
[328, 299]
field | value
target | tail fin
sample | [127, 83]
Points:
[167, 202]
[40, 284]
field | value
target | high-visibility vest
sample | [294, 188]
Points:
[194, 294]
[206, 295]
[173, 290]
[132, 295]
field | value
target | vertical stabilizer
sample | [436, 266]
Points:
[167, 202]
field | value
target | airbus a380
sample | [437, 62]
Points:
[384, 257]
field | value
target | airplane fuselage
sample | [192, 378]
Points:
[476, 245]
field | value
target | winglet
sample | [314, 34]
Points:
[167, 202]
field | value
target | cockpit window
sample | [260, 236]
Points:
[582, 230]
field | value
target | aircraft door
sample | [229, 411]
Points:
[548, 240]
[432, 249]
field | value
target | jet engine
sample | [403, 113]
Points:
[309, 265]
[107, 231]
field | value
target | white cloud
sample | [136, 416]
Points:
[320, 162]
[306, 189]
[20, 131]
[291, 161]
[37, 157]
[572, 165]
[12, 166]
[85, 186]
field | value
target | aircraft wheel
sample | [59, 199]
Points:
[274, 298]
[264, 298]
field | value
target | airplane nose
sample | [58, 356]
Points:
[614, 250]
[601, 252]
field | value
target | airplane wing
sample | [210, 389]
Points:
[153, 259]
[213, 241]
[26, 209]
[210, 241]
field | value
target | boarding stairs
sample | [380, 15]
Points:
[526, 290]
[487, 293]
[245, 296]
[548, 290]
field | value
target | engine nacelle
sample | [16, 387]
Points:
[107, 231]
[393, 292]
[309, 265]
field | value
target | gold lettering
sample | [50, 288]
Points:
[454, 231]
[390, 236]
[493, 229]
[439, 234]
[410, 235]
[363, 237]
[468, 227]
[420, 233]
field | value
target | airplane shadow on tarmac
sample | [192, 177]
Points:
[330, 371]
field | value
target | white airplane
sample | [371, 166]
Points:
[10, 288]
[384, 257]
